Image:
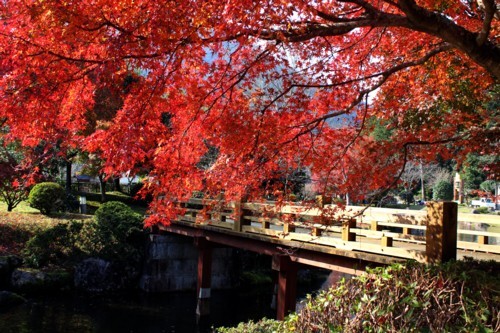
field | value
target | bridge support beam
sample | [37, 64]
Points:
[287, 285]
[204, 282]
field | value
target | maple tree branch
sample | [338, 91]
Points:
[482, 51]
[304, 32]
[487, 54]
[384, 77]
[490, 10]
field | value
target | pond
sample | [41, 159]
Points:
[172, 312]
[134, 312]
[478, 227]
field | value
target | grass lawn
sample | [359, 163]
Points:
[18, 226]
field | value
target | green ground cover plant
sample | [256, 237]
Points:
[25, 222]
[115, 233]
[462, 296]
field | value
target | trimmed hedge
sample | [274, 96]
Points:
[47, 197]
[442, 191]
[118, 232]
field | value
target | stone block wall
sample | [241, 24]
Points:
[171, 264]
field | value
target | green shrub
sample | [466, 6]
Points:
[117, 232]
[462, 296]
[482, 210]
[443, 190]
[407, 196]
[262, 326]
[47, 197]
[54, 246]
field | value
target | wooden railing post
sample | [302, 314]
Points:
[374, 226]
[239, 215]
[483, 240]
[441, 233]
[322, 200]
[347, 235]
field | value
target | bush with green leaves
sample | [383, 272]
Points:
[262, 326]
[56, 245]
[47, 197]
[114, 234]
[481, 210]
[443, 190]
[407, 196]
[462, 296]
[117, 232]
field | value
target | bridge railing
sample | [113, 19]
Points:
[421, 235]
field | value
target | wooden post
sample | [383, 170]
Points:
[322, 200]
[316, 232]
[288, 227]
[287, 285]
[239, 218]
[386, 241]
[441, 233]
[483, 240]
[264, 224]
[347, 235]
[374, 226]
[203, 287]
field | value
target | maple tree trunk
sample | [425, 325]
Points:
[68, 177]
[116, 184]
[102, 187]
[422, 184]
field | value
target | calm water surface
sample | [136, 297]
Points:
[169, 312]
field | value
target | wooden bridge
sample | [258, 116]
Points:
[342, 240]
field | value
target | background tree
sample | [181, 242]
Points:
[489, 186]
[92, 166]
[477, 169]
[443, 191]
[269, 84]
[14, 184]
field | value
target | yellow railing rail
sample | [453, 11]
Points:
[419, 235]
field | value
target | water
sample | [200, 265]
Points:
[478, 227]
[135, 312]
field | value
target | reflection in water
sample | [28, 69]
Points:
[477, 227]
[169, 312]
[150, 313]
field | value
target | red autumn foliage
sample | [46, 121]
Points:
[272, 85]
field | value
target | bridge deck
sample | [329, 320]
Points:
[374, 235]
[346, 241]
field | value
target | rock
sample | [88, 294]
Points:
[9, 299]
[7, 266]
[33, 280]
[99, 275]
